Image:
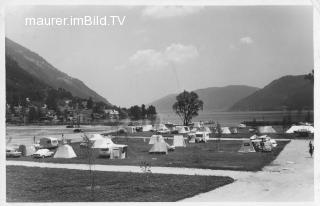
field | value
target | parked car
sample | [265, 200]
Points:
[77, 130]
[10, 152]
[47, 143]
[163, 131]
[42, 153]
[201, 137]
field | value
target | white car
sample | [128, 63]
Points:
[163, 131]
[12, 153]
[42, 153]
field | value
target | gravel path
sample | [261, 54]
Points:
[288, 178]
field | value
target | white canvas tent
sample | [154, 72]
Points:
[102, 143]
[155, 138]
[246, 147]
[94, 137]
[178, 141]
[225, 130]
[147, 128]
[300, 128]
[234, 130]
[159, 148]
[204, 129]
[65, 151]
[266, 129]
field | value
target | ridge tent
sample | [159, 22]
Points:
[65, 151]
[159, 148]
[300, 128]
[234, 130]
[155, 138]
[225, 130]
[246, 147]
[178, 141]
[266, 129]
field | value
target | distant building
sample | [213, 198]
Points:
[112, 114]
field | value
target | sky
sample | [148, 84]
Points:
[161, 50]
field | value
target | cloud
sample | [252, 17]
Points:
[159, 12]
[152, 60]
[246, 40]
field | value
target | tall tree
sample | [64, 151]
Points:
[151, 112]
[143, 111]
[187, 106]
[135, 112]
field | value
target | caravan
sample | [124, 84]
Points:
[47, 143]
[182, 129]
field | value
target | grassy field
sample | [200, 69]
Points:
[211, 155]
[27, 184]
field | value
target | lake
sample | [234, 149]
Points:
[234, 118]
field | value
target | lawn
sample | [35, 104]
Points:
[211, 155]
[29, 184]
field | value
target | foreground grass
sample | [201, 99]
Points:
[29, 184]
[212, 155]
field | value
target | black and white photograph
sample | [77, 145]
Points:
[189, 102]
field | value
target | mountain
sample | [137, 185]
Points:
[20, 84]
[41, 70]
[214, 98]
[292, 92]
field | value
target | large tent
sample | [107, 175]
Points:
[178, 141]
[102, 143]
[159, 148]
[65, 151]
[246, 147]
[94, 137]
[300, 128]
[225, 130]
[266, 129]
[156, 138]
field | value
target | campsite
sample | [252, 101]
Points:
[215, 154]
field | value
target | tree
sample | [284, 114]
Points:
[89, 103]
[143, 111]
[33, 114]
[151, 112]
[187, 106]
[135, 112]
